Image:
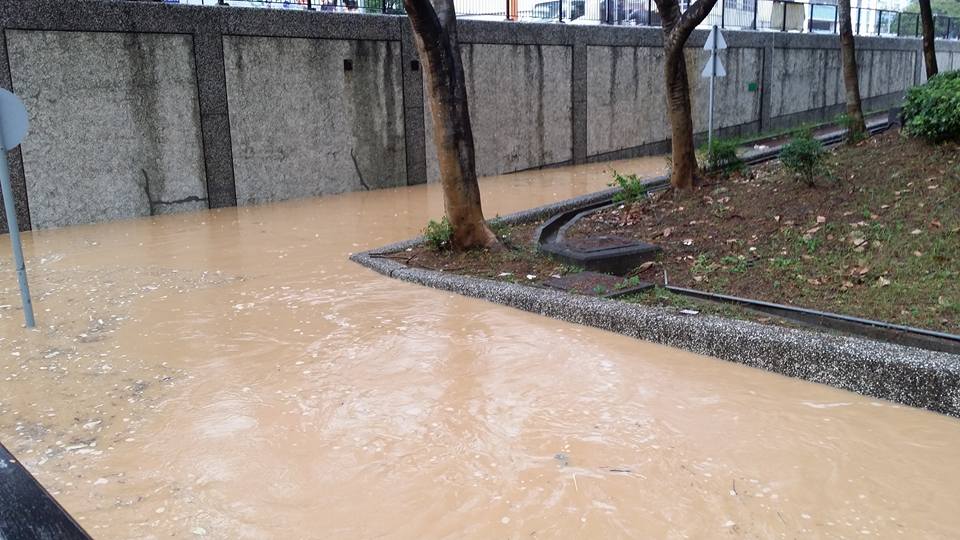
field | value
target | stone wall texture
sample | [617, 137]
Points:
[114, 125]
[520, 99]
[143, 108]
[303, 125]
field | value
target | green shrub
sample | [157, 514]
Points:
[804, 156]
[721, 155]
[631, 188]
[438, 234]
[845, 121]
[932, 110]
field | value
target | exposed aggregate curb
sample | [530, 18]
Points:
[915, 377]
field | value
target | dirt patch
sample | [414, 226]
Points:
[878, 238]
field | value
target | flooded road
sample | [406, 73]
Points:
[230, 374]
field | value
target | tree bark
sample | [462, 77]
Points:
[929, 44]
[435, 33]
[684, 155]
[677, 28]
[851, 77]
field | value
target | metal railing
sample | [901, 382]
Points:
[817, 17]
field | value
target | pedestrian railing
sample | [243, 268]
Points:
[767, 15]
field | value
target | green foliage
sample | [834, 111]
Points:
[632, 188]
[721, 155]
[938, 7]
[599, 290]
[737, 264]
[804, 156]
[500, 228]
[845, 121]
[703, 265]
[438, 234]
[932, 110]
[632, 281]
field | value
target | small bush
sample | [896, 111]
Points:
[845, 121]
[721, 155]
[632, 188]
[932, 110]
[804, 156]
[438, 234]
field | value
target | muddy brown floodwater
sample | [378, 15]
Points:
[230, 374]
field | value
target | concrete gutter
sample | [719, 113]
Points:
[915, 377]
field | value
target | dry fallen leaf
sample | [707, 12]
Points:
[882, 281]
[821, 219]
[935, 224]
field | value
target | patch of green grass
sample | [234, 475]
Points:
[703, 265]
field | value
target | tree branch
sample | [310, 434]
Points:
[423, 18]
[693, 16]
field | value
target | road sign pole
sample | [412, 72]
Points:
[713, 76]
[15, 239]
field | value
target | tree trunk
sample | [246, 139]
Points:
[677, 27]
[851, 78]
[435, 32]
[684, 155]
[929, 45]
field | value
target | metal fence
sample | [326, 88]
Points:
[818, 17]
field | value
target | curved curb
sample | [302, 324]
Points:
[915, 377]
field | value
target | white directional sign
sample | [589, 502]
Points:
[13, 120]
[715, 35]
[712, 70]
[708, 69]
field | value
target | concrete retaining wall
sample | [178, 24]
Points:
[115, 127]
[520, 99]
[302, 125]
[142, 108]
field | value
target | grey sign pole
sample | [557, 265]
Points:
[13, 127]
[713, 69]
[713, 77]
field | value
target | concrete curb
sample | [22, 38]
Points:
[906, 375]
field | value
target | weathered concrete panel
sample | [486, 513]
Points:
[303, 125]
[626, 102]
[807, 79]
[889, 72]
[115, 128]
[734, 103]
[799, 82]
[625, 98]
[520, 102]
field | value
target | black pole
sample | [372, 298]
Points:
[947, 35]
[879, 20]
[754, 24]
[916, 27]
[309, 5]
[836, 19]
[561, 11]
[858, 19]
[784, 28]
[649, 13]
[899, 18]
[723, 12]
